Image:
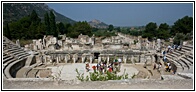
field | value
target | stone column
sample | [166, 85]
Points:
[91, 59]
[108, 59]
[132, 58]
[99, 59]
[75, 57]
[66, 59]
[57, 59]
[125, 59]
[83, 59]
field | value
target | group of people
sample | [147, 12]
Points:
[102, 66]
[170, 49]
[167, 66]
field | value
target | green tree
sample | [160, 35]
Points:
[83, 28]
[15, 29]
[61, 28]
[179, 38]
[34, 18]
[7, 32]
[111, 27]
[184, 25]
[118, 29]
[53, 28]
[40, 31]
[163, 31]
[150, 31]
[35, 21]
[47, 23]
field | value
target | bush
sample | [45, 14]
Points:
[98, 76]
[179, 38]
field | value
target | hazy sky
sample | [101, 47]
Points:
[125, 14]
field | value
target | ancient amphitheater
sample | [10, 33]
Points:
[49, 63]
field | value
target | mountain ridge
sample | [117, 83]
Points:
[13, 12]
[97, 24]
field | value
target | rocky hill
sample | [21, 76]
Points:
[97, 24]
[15, 11]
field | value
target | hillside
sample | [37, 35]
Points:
[97, 24]
[15, 11]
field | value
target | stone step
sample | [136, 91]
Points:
[181, 67]
[24, 55]
[187, 48]
[186, 75]
[190, 60]
[184, 63]
[178, 64]
[8, 62]
[180, 52]
[176, 53]
[5, 56]
[11, 50]
[185, 60]
[7, 59]
[171, 77]
[190, 56]
[173, 55]
[15, 53]
[184, 50]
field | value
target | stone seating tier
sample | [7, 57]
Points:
[13, 50]
[187, 49]
[188, 46]
[180, 67]
[177, 54]
[7, 59]
[190, 60]
[5, 56]
[18, 52]
[184, 63]
[181, 62]
[186, 60]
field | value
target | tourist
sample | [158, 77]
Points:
[94, 68]
[110, 69]
[164, 53]
[164, 58]
[87, 67]
[154, 66]
[169, 68]
[156, 58]
[166, 68]
[176, 46]
[159, 66]
[168, 48]
[180, 47]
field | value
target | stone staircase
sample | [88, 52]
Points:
[12, 54]
[183, 59]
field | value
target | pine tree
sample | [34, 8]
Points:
[53, 25]
[7, 32]
[47, 24]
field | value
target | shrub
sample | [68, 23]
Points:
[98, 76]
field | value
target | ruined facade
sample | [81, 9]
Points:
[90, 49]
